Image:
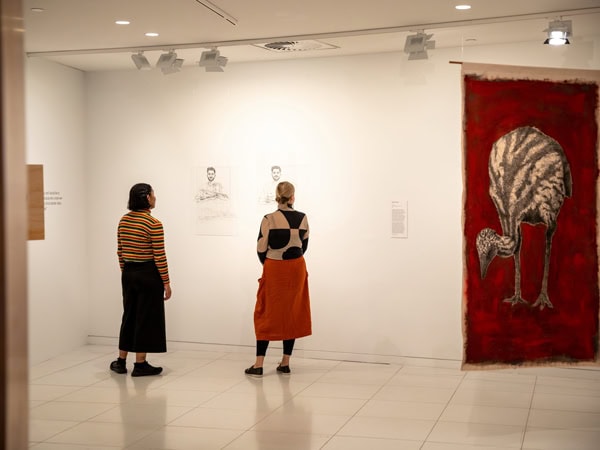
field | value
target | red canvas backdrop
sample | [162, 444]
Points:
[495, 331]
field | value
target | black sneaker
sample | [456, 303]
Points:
[118, 366]
[144, 369]
[283, 369]
[254, 371]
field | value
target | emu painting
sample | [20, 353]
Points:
[531, 216]
[529, 180]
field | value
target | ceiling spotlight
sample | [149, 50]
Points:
[558, 32]
[175, 67]
[169, 63]
[166, 60]
[140, 61]
[416, 45]
[212, 61]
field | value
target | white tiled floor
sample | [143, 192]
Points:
[203, 400]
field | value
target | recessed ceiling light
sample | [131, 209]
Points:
[37, 10]
[122, 22]
[463, 6]
[151, 34]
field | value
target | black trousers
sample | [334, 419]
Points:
[143, 323]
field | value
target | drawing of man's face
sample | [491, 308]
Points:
[276, 173]
[210, 174]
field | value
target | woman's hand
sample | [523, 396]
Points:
[167, 287]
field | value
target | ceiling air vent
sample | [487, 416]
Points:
[296, 46]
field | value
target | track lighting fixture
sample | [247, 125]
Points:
[416, 45]
[166, 60]
[140, 61]
[175, 67]
[169, 63]
[212, 61]
[558, 32]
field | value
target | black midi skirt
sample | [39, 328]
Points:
[143, 324]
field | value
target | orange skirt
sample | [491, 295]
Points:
[282, 308]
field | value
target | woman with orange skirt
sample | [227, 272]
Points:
[282, 311]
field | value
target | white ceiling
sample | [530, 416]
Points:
[83, 34]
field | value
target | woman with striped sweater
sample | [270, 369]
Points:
[145, 283]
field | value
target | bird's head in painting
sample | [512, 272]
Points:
[487, 248]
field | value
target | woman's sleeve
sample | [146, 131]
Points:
[262, 245]
[120, 247]
[158, 250]
[304, 232]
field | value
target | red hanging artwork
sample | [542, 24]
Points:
[530, 216]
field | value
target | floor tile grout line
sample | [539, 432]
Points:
[367, 400]
[58, 399]
[114, 406]
[280, 406]
[529, 412]
[90, 420]
[437, 420]
[118, 405]
[56, 434]
[66, 367]
[153, 428]
[192, 408]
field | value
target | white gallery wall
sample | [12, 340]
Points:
[57, 278]
[353, 133]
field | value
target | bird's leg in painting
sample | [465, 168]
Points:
[543, 299]
[517, 257]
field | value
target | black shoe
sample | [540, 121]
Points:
[118, 366]
[254, 371]
[283, 369]
[144, 369]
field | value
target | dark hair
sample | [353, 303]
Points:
[138, 197]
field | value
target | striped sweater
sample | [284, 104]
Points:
[140, 237]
